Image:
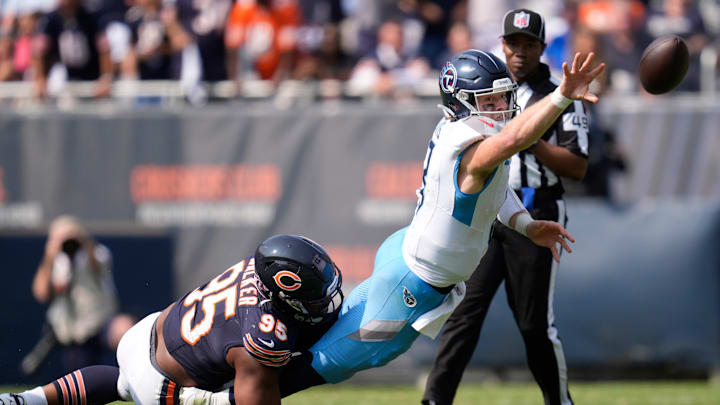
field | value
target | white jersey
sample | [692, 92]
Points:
[450, 231]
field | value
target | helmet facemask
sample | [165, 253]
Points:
[472, 99]
[321, 309]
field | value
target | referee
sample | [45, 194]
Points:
[528, 270]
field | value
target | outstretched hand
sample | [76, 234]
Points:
[548, 234]
[576, 79]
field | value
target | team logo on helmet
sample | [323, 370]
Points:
[521, 20]
[281, 279]
[448, 78]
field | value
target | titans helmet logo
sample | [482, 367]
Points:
[448, 78]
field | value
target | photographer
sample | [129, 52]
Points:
[75, 279]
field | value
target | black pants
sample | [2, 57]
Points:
[529, 275]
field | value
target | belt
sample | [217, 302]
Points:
[443, 290]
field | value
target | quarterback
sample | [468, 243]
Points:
[419, 270]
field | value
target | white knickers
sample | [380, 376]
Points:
[139, 380]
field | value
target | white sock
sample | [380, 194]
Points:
[35, 396]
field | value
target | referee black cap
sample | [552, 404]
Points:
[524, 21]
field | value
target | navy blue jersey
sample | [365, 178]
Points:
[229, 312]
[153, 47]
[205, 20]
[73, 42]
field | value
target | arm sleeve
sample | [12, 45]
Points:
[511, 205]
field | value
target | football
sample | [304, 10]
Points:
[663, 64]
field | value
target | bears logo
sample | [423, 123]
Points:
[281, 279]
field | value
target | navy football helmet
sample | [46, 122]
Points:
[299, 277]
[471, 74]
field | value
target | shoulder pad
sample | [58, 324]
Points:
[268, 338]
[469, 130]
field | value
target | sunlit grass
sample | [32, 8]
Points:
[602, 393]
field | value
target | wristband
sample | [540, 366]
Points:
[521, 223]
[559, 100]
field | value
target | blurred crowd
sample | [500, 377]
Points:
[380, 47]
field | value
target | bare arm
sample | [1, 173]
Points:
[129, 67]
[527, 127]
[41, 288]
[41, 282]
[107, 70]
[41, 45]
[254, 383]
[560, 160]
[179, 37]
[6, 60]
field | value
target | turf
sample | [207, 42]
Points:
[611, 393]
[670, 393]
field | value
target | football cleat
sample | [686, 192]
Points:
[12, 399]
[195, 396]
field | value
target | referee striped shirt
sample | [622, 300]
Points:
[570, 131]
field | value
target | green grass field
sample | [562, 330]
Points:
[612, 393]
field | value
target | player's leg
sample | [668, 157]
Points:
[460, 335]
[140, 378]
[375, 325]
[86, 386]
[530, 286]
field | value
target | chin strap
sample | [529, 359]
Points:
[449, 114]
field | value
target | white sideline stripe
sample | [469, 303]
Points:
[552, 331]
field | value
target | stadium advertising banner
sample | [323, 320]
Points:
[220, 180]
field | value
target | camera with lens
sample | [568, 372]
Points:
[70, 247]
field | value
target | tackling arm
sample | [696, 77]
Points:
[254, 383]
